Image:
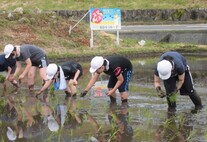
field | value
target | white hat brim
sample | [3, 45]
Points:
[165, 77]
[50, 77]
[7, 56]
[92, 70]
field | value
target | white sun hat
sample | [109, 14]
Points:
[96, 63]
[11, 135]
[8, 50]
[52, 124]
[51, 71]
[164, 69]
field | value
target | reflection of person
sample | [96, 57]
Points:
[64, 116]
[173, 69]
[29, 118]
[33, 56]
[173, 132]
[119, 68]
[64, 76]
[7, 111]
[118, 117]
[8, 65]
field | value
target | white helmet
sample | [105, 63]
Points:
[164, 69]
[96, 63]
[8, 50]
[51, 70]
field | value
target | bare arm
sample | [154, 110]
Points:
[92, 81]
[8, 73]
[75, 77]
[26, 70]
[181, 79]
[156, 81]
[46, 85]
[120, 80]
[18, 68]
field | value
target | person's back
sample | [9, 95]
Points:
[30, 51]
[120, 62]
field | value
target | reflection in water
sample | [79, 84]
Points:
[174, 130]
[119, 131]
[78, 118]
[28, 119]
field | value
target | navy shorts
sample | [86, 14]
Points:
[43, 62]
[187, 87]
[125, 85]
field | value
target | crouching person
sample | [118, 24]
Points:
[172, 68]
[65, 77]
[119, 70]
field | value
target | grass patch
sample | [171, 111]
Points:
[86, 4]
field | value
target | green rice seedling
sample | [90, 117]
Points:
[173, 97]
[2, 78]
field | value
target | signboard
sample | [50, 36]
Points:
[105, 18]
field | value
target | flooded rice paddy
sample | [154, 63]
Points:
[145, 118]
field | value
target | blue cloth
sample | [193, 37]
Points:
[56, 85]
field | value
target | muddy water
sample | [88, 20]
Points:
[144, 119]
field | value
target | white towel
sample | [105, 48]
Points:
[61, 82]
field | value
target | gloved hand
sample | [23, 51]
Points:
[83, 93]
[161, 93]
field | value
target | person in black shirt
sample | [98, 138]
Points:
[118, 68]
[65, 77]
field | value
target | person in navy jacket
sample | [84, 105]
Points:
[8, 65]
[173, 69]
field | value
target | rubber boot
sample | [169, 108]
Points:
[31, 87]
[67, 95]
[74, 96]
[113, 100]
[171, 105]
[196, 100]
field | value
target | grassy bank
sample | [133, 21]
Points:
[86, 4]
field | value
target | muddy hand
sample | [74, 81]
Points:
[83, 93]
[160, 93]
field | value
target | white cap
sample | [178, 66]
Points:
[164, 69]
[51, 71]
[8, 50]
[52, 124]
[96, 63]
[11, 134]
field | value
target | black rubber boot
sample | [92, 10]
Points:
[31, 87]
[196, 100]
[113, 100]
[171, 105]
[67, 95]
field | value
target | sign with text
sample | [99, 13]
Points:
[105, 18]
